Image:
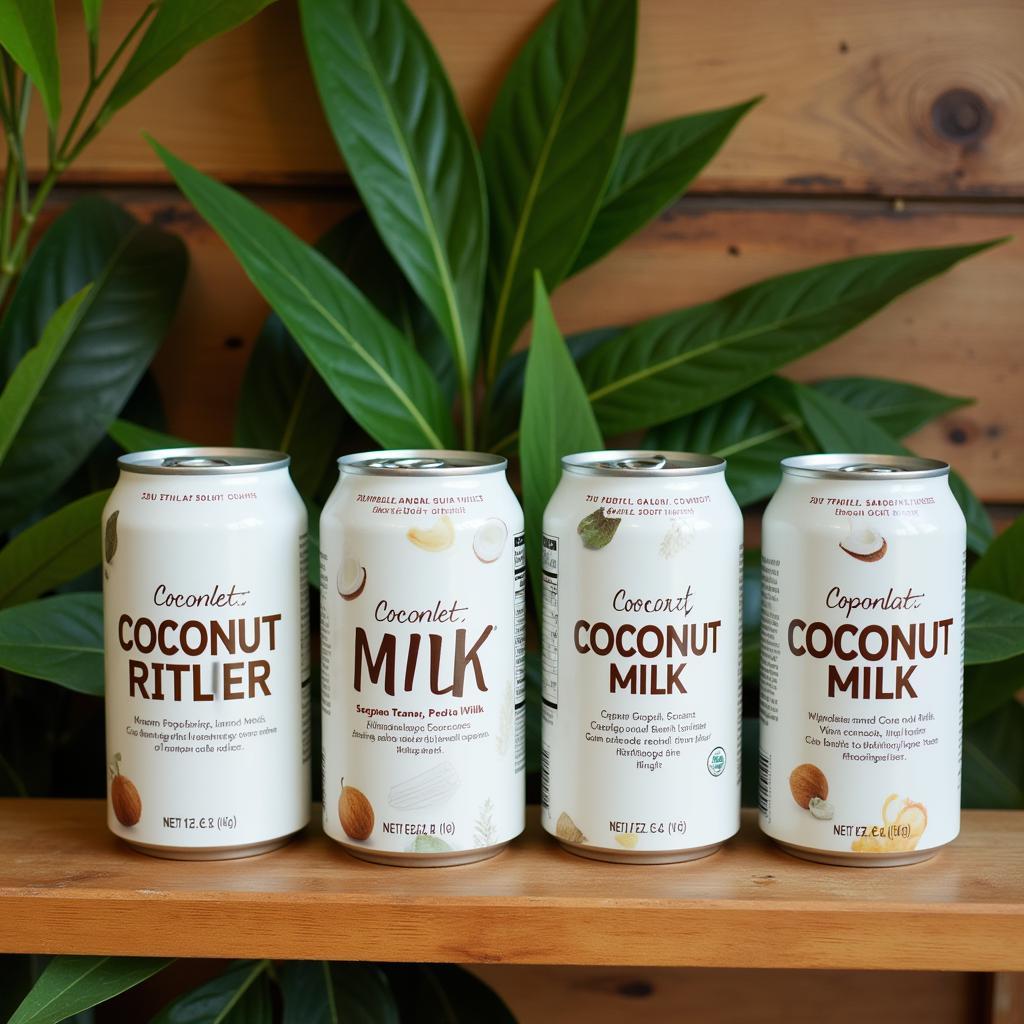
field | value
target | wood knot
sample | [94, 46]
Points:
[961, 116]
[635, 989]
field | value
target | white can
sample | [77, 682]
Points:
[423, 576]
[863, 560]
[206, 638]
[642, 558]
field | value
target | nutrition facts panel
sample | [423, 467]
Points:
[549, 624]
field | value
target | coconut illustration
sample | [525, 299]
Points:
[489, 540]
[865, 544]
[597, 529]
[437, 537]
[351, 579]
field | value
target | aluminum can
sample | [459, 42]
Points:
[423, 576]
[642, 573]
[863, 562]
[206, 650]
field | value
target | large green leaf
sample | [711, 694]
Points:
[73, 252]
[32, 373]
[557, 420]
[406, 143]
[91, 12]
[839, 427]
[238, 996]
[177, 27]
[59, 639]
[55, 550]
[991, 686]
[995, 627]
[993, 772]
[679, 362]
[119, 327]
[1001, 568]
[70, 984]
[550, 144]
[134, 437]
[654, 167]
[28, 32]
[896, 406]
[372, 369]
[317, 992]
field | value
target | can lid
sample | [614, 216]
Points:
[203, 461]
[864, 467]
[422, 462]
[630, 462]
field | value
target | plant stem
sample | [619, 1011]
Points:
[467, 413]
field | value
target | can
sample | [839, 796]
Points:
[863, 568]
[423, 577]
[641, 639]
[206, 650]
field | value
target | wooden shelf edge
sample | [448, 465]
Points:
[66, 886]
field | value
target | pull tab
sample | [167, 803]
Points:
[408, 463]
[870, 467]
[654, 462]
[193, 462]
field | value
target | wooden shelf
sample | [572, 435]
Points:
[67, 886]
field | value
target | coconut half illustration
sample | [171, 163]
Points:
[865, 544]
[351, 579]
[437, 537]
[489, 540]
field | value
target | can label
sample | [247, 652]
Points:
[861, 666]
[641, 662]
[422, 602]
[206, 651]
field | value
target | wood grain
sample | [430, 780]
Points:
[959, 334]
[67, 886]
[611, 995]
[852, 91]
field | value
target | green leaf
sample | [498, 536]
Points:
[134, 437]
[28, 32]
[896, 406]
[993, 774]
[177, 27]
[238, 996]
[371, 368]
[32, 373]
[841, 428]
[53, 551]
[70, 984]
[91, 11]
[73, 252]
[118, 328]
[682, 361]
[408, 147]
[316, 992]
[451, 995]
[995, 627]
[59, 639]
[988, 687]
[550, 143]
[557, 420]
[1001, 568]
[654, 168]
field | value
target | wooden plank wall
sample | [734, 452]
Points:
[885, 125]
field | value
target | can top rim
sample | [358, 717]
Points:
[421, 462]
[635, 462]
[203, 461]
[860, 466]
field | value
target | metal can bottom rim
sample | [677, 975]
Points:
[838, 858]
[211, 852]
[641, 856]
[398, 859]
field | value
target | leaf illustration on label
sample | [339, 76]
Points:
[483, 830]
[566, 828]
[428, 844]
[429, 788]
[597, 529]
[110, 537]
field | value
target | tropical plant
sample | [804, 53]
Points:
[400, 328]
